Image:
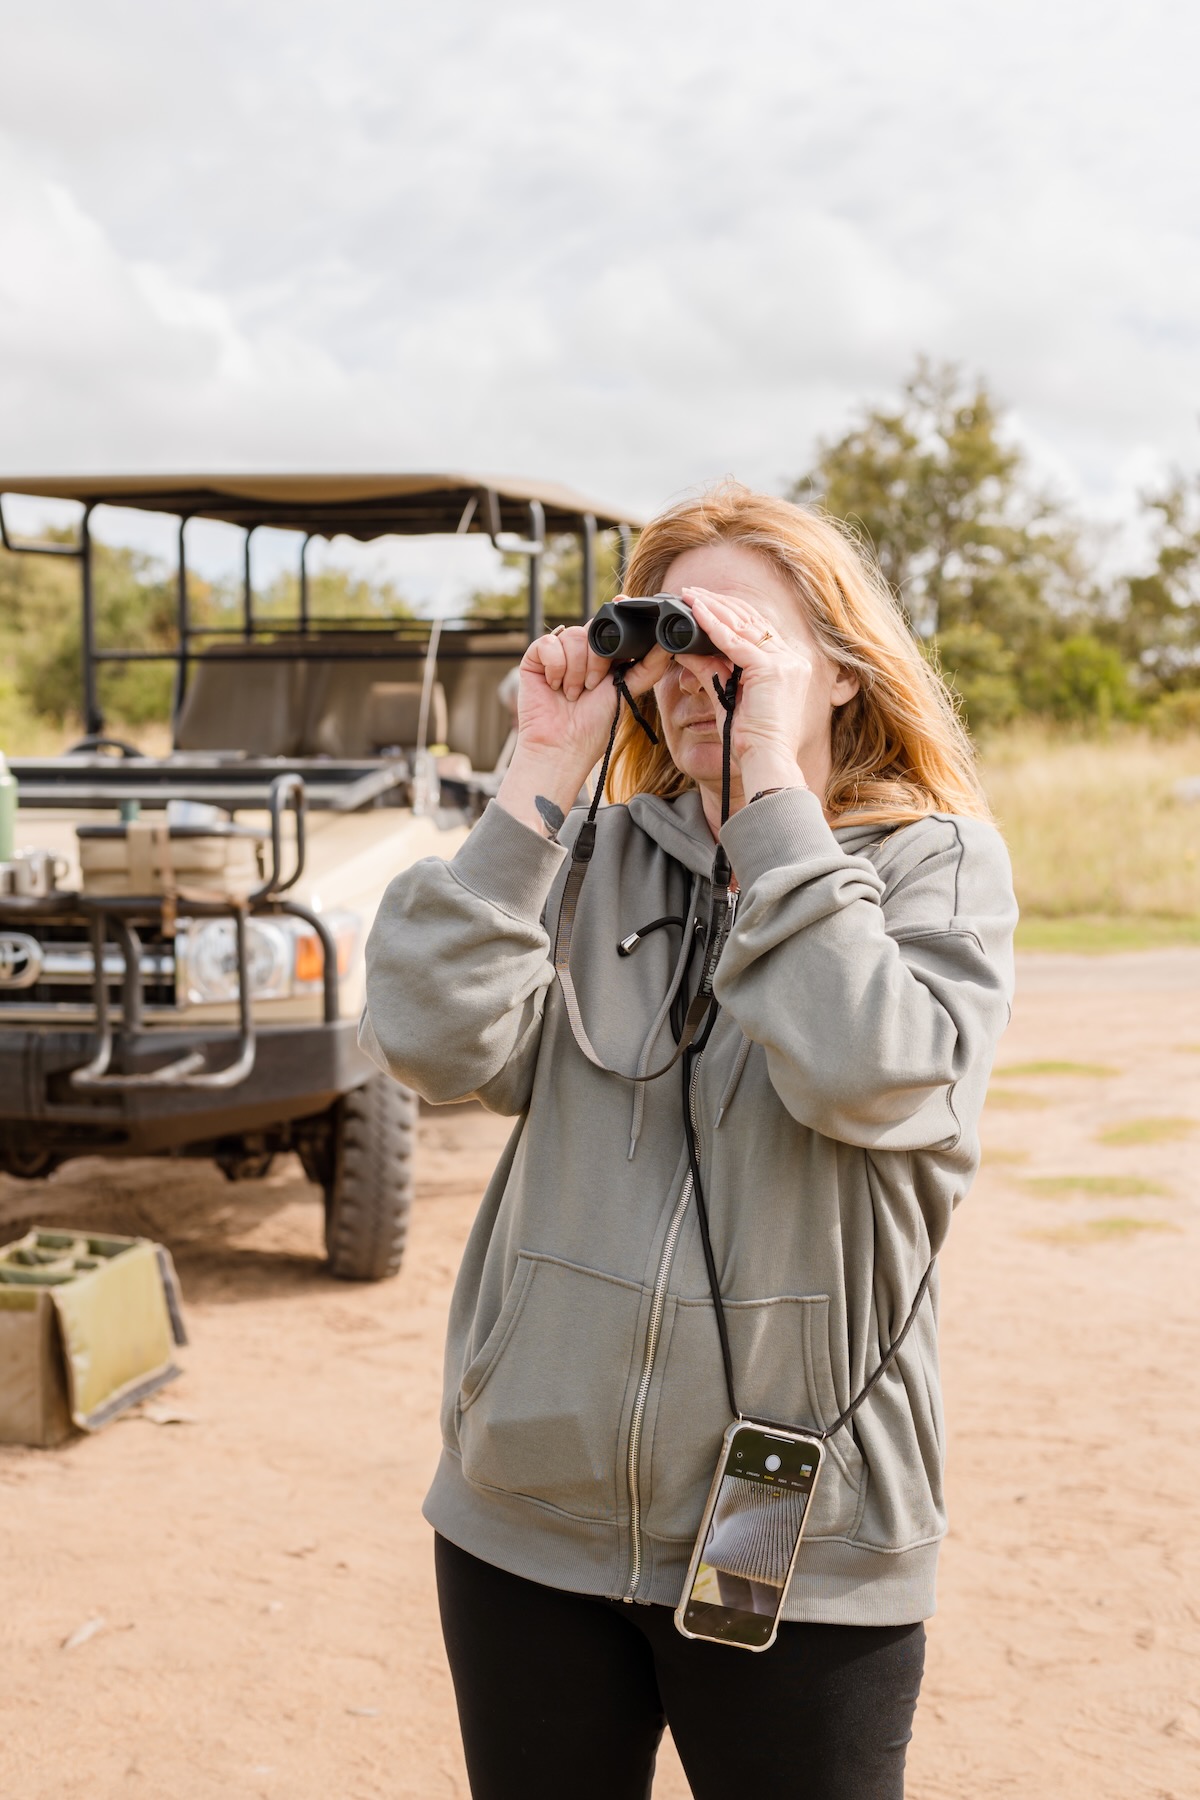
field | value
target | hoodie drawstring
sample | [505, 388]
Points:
[638, 1110]
[731, 1085]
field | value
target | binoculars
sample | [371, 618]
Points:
[627, 630]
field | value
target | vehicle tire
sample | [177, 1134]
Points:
[369, 1196]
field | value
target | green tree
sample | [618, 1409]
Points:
[1080, 679]
[41, 622]
[962, 533]
[332, 594]
[980, 670]
[135, 610]
[1159, 624]
[562, 581]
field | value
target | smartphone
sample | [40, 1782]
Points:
[749, 1536]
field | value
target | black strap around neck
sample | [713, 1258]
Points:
[722, 904]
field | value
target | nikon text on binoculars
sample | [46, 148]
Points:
[627, 630]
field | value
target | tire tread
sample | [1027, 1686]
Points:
[370, 1197]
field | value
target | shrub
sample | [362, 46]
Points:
[1078, 680]
[979, 668]
[1175, 715]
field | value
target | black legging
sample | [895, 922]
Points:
[561, 1694]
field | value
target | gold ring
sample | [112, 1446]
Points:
[764, 639]
[558, 631]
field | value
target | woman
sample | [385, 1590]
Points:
[834, 1097]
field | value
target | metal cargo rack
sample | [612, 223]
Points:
[118, 916]
[232, 783]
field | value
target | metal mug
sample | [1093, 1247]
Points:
[33, 874]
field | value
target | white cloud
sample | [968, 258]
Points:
[601, 247]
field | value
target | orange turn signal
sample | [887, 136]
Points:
[310, 957]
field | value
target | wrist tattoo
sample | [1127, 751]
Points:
[552, 817]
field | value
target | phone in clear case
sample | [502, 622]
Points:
[750, 1535]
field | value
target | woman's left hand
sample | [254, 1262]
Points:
[769, 720]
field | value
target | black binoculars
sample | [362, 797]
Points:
[627, 630]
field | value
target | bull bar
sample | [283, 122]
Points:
[119, 915]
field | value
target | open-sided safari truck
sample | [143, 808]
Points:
[181, 937]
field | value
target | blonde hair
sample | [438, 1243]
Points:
[899, 748]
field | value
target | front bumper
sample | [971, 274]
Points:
[299, 1071]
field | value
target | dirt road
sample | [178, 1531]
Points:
[262, 1573]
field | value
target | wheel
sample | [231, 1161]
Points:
[97, 741]
[368, 1196]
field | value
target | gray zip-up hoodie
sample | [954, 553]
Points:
[862, 991]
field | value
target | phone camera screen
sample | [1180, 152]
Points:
[738, 1588]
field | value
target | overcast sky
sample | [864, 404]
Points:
[629, 246]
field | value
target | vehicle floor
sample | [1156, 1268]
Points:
[263, 1575]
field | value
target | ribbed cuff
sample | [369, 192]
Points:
[781, 829]
[506, 863]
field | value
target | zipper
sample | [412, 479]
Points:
[653, 1333]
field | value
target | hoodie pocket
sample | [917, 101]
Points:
[540, 1407]
[783, 1371]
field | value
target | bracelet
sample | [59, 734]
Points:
[763, 792]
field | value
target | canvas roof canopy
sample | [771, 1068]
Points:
[358, 506]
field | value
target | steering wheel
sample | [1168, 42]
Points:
[97, 741]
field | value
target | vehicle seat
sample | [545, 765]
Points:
[394, 715]
[336, 719]
[236, 700]
[479, 720]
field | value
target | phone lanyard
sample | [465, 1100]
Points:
[714, 1283]
[699, 1019]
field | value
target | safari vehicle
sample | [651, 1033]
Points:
[181, 936]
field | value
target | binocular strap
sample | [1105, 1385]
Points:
[721, 912]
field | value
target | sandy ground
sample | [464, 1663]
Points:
[263, 1574]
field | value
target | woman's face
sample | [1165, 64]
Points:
[686, 702]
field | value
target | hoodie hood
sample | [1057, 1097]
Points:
[679, 827]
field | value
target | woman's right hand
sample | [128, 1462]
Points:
[564, 716]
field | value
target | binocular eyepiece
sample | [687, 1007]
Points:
[627, 630]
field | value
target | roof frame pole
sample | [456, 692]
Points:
[308, 538]
[25, 547]
[624, 548]
[93, 718]
[247, 587]
[587, 544]
[537, 534]
[489, 512]
[184, 621]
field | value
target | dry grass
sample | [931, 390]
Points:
[24, 733]
[1094, 936]
[1148, 1131]
[1002, 1099]
[1094, 1187]
[1100, 1231]
[1096, 835]
[1016, 1070]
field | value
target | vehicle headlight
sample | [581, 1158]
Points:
[284, 956]
[210, 955]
